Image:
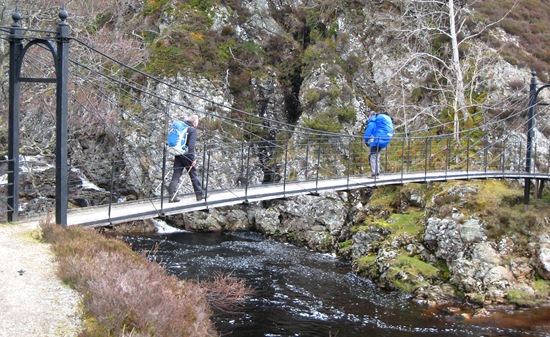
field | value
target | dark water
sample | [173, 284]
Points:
[301, 293]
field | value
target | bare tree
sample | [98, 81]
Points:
[442, 35]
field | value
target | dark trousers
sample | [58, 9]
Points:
[181, 163]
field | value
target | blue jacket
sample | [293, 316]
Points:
[379, 131]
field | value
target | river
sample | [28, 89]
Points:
[298, 292]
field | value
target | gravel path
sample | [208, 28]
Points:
[33, 301]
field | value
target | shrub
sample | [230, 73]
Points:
[227, 31]
[346, 115]
[529, 21]
[324, 122]
[333, 30]
[224, 292]
[153, 7]
[310, 97]
[446, 199]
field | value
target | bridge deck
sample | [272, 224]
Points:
[151, 208]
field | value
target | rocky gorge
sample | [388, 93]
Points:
[314, 65]
[441, 253]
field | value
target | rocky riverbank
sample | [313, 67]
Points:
[461, 241]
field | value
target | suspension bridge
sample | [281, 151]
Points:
[111, 121]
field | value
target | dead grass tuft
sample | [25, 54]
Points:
[225, 292]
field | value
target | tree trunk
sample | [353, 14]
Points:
[459, 103]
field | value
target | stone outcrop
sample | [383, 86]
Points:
[541, 255]
[449, 256]
[312, 220]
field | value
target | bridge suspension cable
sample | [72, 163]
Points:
[233, 120]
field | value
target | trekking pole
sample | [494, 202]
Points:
[163, 173]
[181, 184]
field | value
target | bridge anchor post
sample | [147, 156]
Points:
[61, 58]
[16, 50]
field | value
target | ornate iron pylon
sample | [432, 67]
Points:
[60, 53]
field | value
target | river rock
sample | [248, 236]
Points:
[412, 197]
[522, 269]
[435, 295]
[267, 220]
[138, 227]
[307, 219]
[216, 219]
[498, 277]
[481, 271]
[442, 237]
[471, 231]
[542, 256]
[367, 240]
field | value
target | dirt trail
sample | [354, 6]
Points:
[33, 301]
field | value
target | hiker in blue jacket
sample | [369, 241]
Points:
[377, 135]
[188, 162]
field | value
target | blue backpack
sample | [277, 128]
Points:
[379, 131]
[177, 138]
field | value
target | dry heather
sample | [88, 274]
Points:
[125, 294]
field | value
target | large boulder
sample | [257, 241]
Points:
[541, 256]
[306, 219]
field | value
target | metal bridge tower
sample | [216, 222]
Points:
[60, 53]
[533, 94]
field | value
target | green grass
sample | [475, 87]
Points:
[385, 197]
[418, 273]
[406, 223]
[521, 298]
[542, 287]
[417, 266]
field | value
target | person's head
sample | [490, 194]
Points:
[372, 113]
[194, 119]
